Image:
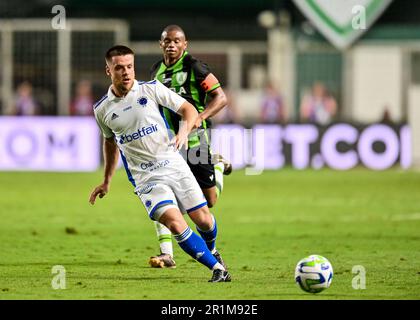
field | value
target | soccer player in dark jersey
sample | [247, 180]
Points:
[193, 80]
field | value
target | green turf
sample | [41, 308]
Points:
[266, 224]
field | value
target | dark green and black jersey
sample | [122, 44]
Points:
[191, 79]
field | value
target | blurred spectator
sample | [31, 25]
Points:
[25, 103]
[273, 109]
[82, 104]
[319, 106]
[386, 117]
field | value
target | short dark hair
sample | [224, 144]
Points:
[118, 50]
[173, 27]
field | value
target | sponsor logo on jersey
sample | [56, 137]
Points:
[127, 108]
[142, 101]
[140, 133]
[151, 166]
[114, 116]
[179, 91]
[146, 188]
[181, 77]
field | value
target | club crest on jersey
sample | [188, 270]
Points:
[166, 80]
[148, 203]
[142, 101]
[181, 77]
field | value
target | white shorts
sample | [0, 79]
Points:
[179, 190]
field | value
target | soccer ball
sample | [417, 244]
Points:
[314, 273]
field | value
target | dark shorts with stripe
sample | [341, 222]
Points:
[199, 161]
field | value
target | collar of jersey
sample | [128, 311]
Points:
[178, 62]
[112, 96]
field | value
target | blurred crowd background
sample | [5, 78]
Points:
[280, 72]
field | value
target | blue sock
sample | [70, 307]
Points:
[195, 246]
[210, 235]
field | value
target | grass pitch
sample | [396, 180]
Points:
[267, 223]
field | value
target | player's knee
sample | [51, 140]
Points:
[202, 218]
[173, 220]
[175, 226]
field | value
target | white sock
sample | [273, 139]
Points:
[166, 247]
[165, 239]
[218, 172]
[218, 266]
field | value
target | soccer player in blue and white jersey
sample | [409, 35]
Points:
[131, 119]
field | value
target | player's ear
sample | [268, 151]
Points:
[161, 44]
[107, 71]
[186, 44]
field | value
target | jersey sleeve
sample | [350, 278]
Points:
[167, 98]
[106, 131]
[207, 81]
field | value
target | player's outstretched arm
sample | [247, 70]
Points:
[189, 116]
[110, 150]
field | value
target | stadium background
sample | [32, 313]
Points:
[374, 82]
